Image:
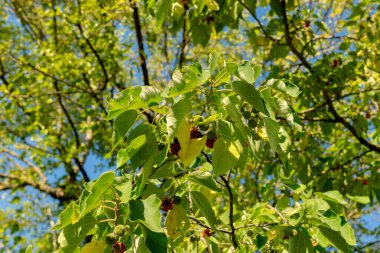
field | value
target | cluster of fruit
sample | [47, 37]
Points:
[175, 147]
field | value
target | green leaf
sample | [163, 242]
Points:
[285, 87]
[212, 5]
[203, 178]
[123, 186]
[121, 126]
[360, 199]
[176, 114]
[245, 134]
[213, 61]
[297, 188]
[187, 82]
[293, 119]
[249, 94]
[224, 156]
[329, 219]
[194, 148]
[162, 10]
[272, 128]
[134, 98]
[68, 216]
[147, 212]
[313, 206]
[276, 7]
[222, 77]
[231, 67]
[29, 249]
[114, 114]
[204, 207]
[94, 247]
[257, 70]
[91, 196]
[156, 241]
[348, 233]
[166, 170]
[137, 144]
[247, 73]
[334, 196]
[122, 157]
[336, 239]
[200, 32]
[300, 243]
[72, 235]
[176, 221]
[225, 129]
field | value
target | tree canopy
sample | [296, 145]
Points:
[189, 125]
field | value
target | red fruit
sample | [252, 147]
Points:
[119, 247]
[166, 204]
[368, 115]
[307, 24]
[206, 232]
[210, 142]
[194, 133]
[335, 63]
[365, 182]
[328, 83]
[175, 147]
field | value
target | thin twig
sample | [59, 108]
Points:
[231, 214]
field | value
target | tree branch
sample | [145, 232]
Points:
[337, 166]
[231, 215]
[184, 38]
[257, 20]
[97, 56]
[27, 162]
[56, 193]
[205, 226]
[329, 102]
[140, 42]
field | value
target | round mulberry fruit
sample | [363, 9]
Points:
[210, 142]
[206, 232]
[175, 147]
[119, 247]
[166, 204]
[195, 133]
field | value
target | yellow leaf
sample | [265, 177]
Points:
[183, 136]
[234, 150]
[262, 133]
[193, 150]
[94, 247]
[175, 221]
[212, 4]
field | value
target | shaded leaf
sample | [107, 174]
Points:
[272, 128]
[176, 115]
[204, 207]
[334, 196]
[94, 247]
[225, 156]
[72, 235]
[336, 239]
[91, 196]
[147, 212]
[176, 221]
[300, 243]
[249, 94]
[122, 124]
[285, 87]
[203, 178]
